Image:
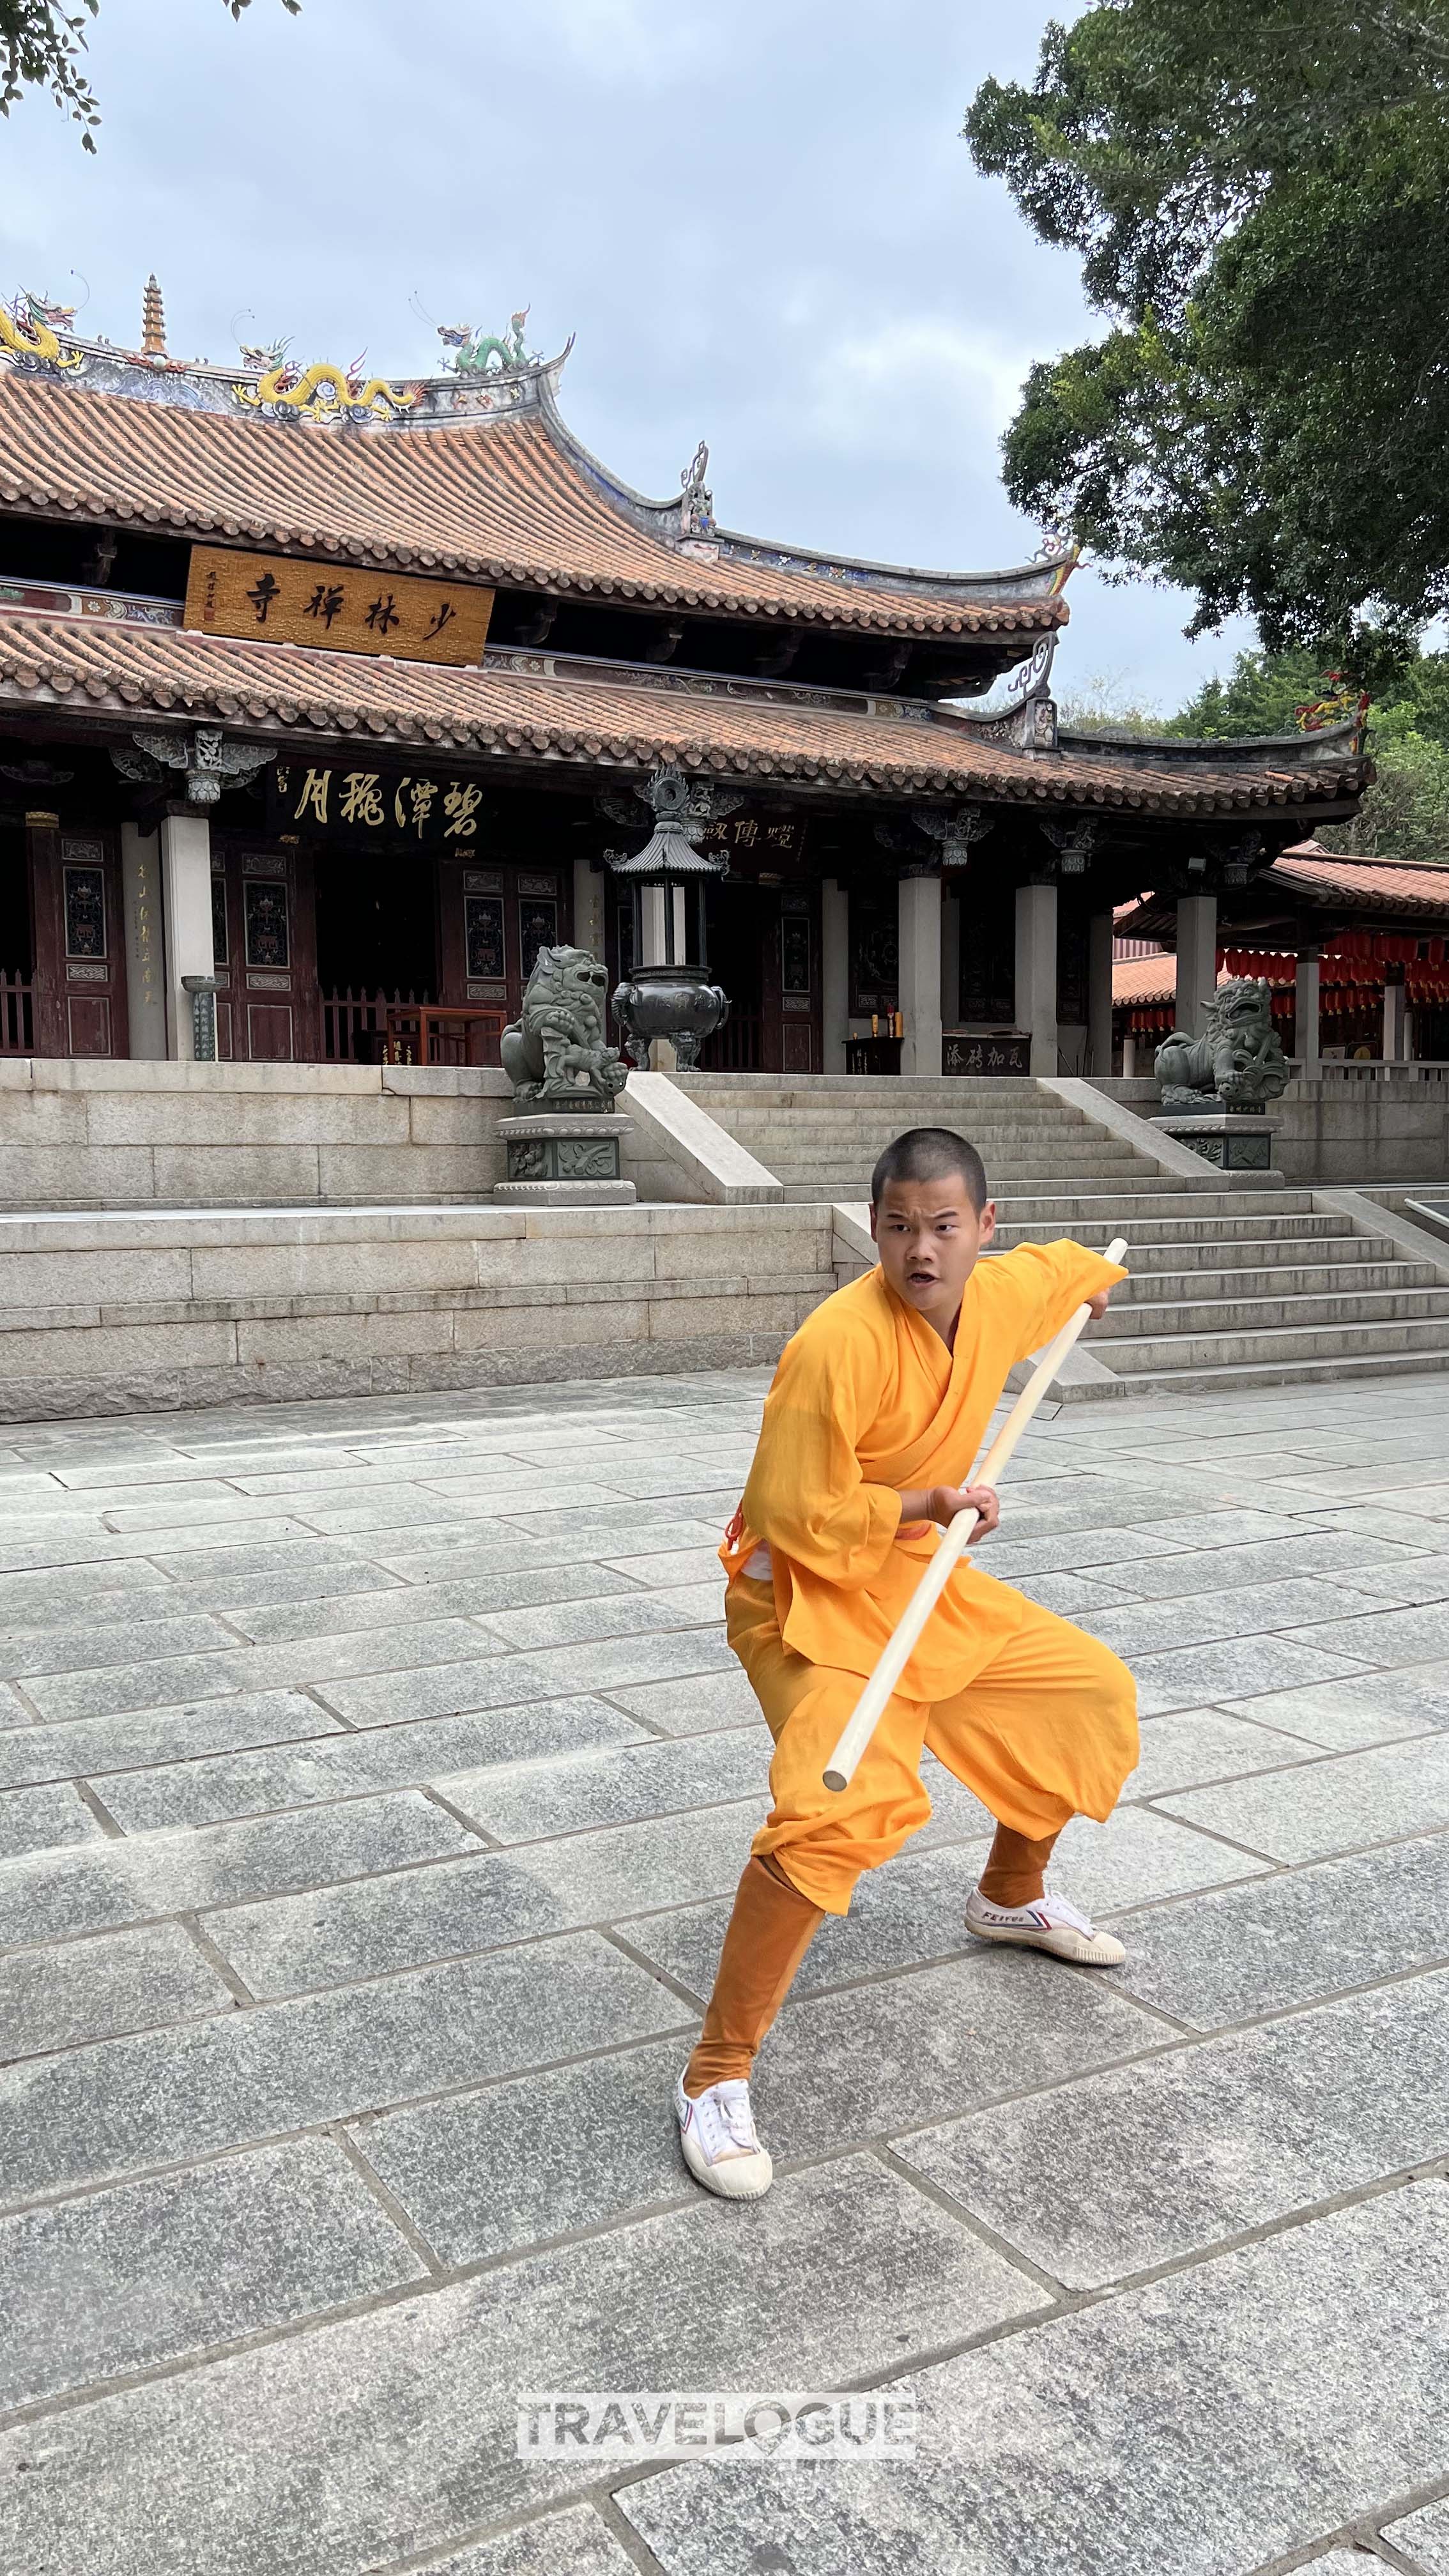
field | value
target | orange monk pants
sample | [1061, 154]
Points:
[1046, 1731]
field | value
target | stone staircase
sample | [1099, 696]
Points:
[821, 1137]
[1245, 1285]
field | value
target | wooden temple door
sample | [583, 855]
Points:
[80, 949]
[264, 939]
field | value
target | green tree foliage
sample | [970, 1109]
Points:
[1405, 814]
[1258, 192]
[42, 46]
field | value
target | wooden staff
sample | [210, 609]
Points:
[871, 1705]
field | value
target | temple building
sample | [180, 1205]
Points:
[325, 702]
[1354, 950]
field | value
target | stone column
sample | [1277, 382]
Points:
[1129, 1055]
[145, 946]
[950, 954]
[588, 908]
[186, 905]
[1306, 1042]
[1099, 993]
[919, 918]
[1036, 972]
[1197, 959]
[834, 972]
[1394, 1016]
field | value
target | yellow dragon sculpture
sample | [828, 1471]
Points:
[324, 393]
[25, 332]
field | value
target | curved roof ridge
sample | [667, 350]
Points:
[666, 522]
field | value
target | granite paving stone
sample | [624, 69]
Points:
[620, 1871]
[190, 2260]
[1385, 1636]
[574, 2543]
[45, 1819]
[831, 2278]
[1405, 1581]
[864, 2062]
[1372, 1708]
[534, 1799]
[167, 2097]
[913, 1910]
[636, 1613]
[1202, 1744]
[1336, 1804]
[51, 1895]
[1342, 1554]
[90, 1747]
[1152, 1627]
[668, 1566]
[1423, 2538]
[491, 2173]
[355, 1764]
[461, 1597]
[238, 1594]
[679, 1655]
[1122, 2171]
[451, 1690]
[63, 1650]
[109, 1547]
[722, 1698]
[404, 1918]
[51, 1998]
[477, 1636]
[1219, 2421]
[1287, 1939]
[1071, 1595]
[1232, 1668]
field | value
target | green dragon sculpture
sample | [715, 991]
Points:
[475, 351]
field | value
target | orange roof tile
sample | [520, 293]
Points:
[532, 706]
[1377, 883]
[496, 501]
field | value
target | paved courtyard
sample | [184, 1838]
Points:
[372, 1780]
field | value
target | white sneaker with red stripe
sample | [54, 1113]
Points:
[1050, 1923]
[721, 2147]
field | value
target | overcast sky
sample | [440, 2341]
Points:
[757, 216]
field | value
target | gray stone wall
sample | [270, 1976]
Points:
[1360, 1123]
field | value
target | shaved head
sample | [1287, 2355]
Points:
[931, 1154]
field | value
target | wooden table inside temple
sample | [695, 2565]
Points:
[441, 1033]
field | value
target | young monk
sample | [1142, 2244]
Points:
[878, 1406]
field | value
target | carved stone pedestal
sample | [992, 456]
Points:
[564, 1158]
[1234, 1142]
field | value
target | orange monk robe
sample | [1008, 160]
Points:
[868, 1401]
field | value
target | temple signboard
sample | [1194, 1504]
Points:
[274, 599]
[342, 800]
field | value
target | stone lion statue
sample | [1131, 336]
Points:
[1237, 1064]
[555, 1049]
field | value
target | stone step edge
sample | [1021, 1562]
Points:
[1221, 1378]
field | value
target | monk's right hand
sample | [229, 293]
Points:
[945, 1500]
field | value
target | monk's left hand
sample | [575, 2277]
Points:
[1097, 1306]
[950, 1499]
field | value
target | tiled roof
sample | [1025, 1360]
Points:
[1144, 979]
[1375, 884]
[494, 501]
[521, 705]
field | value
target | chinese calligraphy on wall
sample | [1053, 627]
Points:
[374, 805]
[272, 599]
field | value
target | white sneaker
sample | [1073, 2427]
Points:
[1050, 1923]
[721, 2149]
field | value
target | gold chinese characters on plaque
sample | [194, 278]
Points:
[277, 600]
